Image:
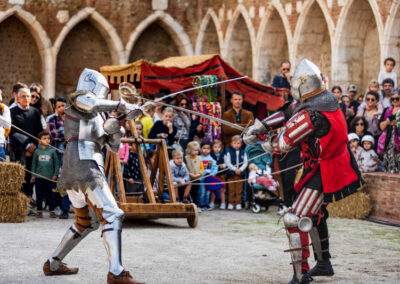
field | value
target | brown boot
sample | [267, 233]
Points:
[62, 270]
[123, 278]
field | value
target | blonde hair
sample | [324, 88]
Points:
[168, 109]
[217, 141]
[236, 138]
[176, 153]
[191, 146]
[150, 107]
[373, 83]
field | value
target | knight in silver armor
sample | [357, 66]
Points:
[316, 123]
[83, 177]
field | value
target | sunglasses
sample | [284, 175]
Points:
[359, 124]
[286, 69]
[35, 97]
[183, 104]
[370, 100]
[395, 99]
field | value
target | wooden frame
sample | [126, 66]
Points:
[136, 207]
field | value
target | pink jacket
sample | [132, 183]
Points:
[123, 151]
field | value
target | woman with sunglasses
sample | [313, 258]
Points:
[371, 113]
[359, 125]
[36, 102]
[182, 121]
[389, 141]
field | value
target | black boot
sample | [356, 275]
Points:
[322, 268]
[294, 280]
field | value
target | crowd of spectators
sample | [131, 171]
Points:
[32, 133]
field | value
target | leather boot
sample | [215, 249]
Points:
[123, 278]
[322, 268]
[63, 269]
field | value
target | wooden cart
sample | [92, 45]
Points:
[151, 205]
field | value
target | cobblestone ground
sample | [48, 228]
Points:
[226, 247]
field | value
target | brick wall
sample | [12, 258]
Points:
[384, 190]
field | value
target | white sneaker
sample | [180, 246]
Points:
[238, 206]
[199, 210]
[57, 211]
[230, 206]
[212, 205]
[222, 206]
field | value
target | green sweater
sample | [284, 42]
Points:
[45, 162]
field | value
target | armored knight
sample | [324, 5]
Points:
[83, 177]
[318, 127]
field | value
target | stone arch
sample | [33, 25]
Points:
[391, 46]
[210, 26]
[164, 20]
[272, 45]
[312, 37]
[42, 48]
[356, 52]
[77, 53]
[108, 32]
[240, 42]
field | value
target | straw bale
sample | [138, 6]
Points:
[12, 177]
[355, 206]
[14, 207]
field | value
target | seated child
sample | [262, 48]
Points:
[180, 175]
[262, 177]
[354, 141]
[368, 161]
[218, 155]
[236, 161]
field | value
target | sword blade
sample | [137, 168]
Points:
[198, 87]
[238, 127]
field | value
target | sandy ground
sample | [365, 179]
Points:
[226, 247]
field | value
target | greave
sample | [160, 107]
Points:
[296, 253]
[112, 241]
[316, 244]
[70, 240]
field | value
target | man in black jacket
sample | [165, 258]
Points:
[27, 119]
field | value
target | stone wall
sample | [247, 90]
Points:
[348, 38]
[384, 190]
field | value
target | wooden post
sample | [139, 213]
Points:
[118, 175]
[167, 171]
[143, 169]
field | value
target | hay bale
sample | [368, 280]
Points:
[355, 206]
[12, 177]
[14, 207]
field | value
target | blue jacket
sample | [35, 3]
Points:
[179, 173]
[234, 159]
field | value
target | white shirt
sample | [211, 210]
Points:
[384, 75]
[5, 122]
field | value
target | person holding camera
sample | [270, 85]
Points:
[389, 141]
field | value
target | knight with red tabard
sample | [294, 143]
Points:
[316, 125]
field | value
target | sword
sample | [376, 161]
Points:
[199, 87]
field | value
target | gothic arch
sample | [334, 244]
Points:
[356, 51]
[313, 36]
[391, 44]
[237, 50]
[209, 18]
[272, 44]
[174, 29]
[41, 38]
[104, 27]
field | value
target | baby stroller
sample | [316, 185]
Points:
[259, 195]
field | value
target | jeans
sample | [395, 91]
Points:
[2, 154]
[65, 204]
[204, 195]
[44, 189]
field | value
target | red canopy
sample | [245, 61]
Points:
[164, 75]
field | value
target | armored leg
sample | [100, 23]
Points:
[103, 203]
[320, 242]
[298, 223]
[85, 222]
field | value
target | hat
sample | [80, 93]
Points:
[368, 138]
[353, 136]
[352, 88]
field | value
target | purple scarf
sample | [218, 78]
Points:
[382, 138]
